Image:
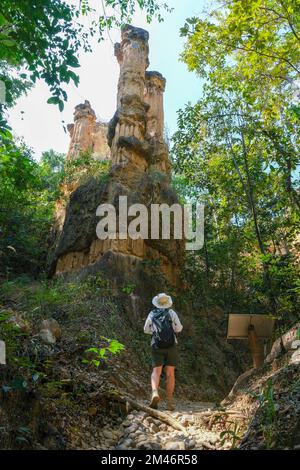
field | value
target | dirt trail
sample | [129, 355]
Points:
[140, 431]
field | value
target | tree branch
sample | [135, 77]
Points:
[289, 21]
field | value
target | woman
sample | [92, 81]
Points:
[163, 324]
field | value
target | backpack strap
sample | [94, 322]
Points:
[159, 310]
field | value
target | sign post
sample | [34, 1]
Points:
[255, 328]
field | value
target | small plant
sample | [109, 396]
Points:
[295, 386]
[231, 434]
[97, 283]
[267, 405]
[96, 355]
[266, 402]
[83, 167]
[24, 435]
[10, 333]
[20, 383]
[53, 388]
[128, 288]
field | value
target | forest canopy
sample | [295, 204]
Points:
[237, 150]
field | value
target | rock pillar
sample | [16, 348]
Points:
[82, 130]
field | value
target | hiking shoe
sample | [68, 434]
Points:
[154, 399]
[170, 405]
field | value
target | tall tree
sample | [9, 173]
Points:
[240, 144]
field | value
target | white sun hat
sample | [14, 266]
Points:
[162, 301]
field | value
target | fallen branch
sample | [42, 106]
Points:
[209, 414]
[164, 417]
[223, 415]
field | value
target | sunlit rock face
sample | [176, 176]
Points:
[87, 135]
[140, 170]
[101, 149]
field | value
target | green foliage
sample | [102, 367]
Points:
[231, 434]
[21, 375]
[295, 386]
[236, 151]
[48, 296]
[11, 334]
[21, 384]
[28, 191]
[41, 39]
[53, 388]
[97, 283]
[48, 52]
[266, 402]
[257, 40]
[267, 405]
[23, 435]
[52, 173]
[83, 167]
[97, 355]
[128, 288]
[123, 11]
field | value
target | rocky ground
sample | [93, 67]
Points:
[145, 432]
[140, 431]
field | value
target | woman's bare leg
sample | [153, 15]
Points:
[170, 382]
[155, 377]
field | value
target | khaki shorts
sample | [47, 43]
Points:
[164, 357]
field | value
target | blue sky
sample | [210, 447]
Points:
[40, 124]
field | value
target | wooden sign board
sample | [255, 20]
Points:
[238, 326]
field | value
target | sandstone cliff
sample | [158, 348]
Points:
[140, 170]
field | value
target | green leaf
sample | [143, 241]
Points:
[96, 362]
[94, 350]
[3, 20]
[8, 42]
[101, 352]
[53, 100]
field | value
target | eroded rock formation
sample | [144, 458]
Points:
[140, 170]
[88, 138]
[87, 135]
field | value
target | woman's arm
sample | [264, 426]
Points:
[148, 327]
